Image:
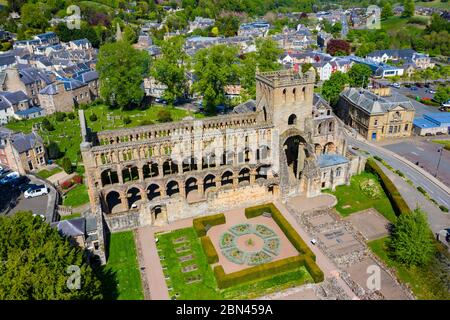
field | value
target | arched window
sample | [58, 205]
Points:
[330, 127]
[294, 93]
[284, 95]
[292, 119]
[319, 129]
[303, 93]
[338, 172]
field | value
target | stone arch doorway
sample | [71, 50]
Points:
[296, 153]
[113, 201]
[159, 215]
[133, 196]
[209, 182]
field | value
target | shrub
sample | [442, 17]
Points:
[398, 203]
[93, 117]
[126, 120]
[47, 125]
[378, 158]
[77, 179]
[421, 190]
[284, 225]
[60, 116]
[443, 208]
[210, 251]
[199, 224]
[313, 269]
[67, 165]
[66, 184]
[146, 122]
[53, 150]
[401, 174]
[265, 270]
[71, 115]
[164, 116]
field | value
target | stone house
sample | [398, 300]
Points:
[62, 96]
[375, 117]
[10, 103]
[22, 152]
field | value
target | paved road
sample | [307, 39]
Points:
[427, 154]
[421, 109]
[410, 170]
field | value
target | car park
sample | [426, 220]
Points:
[36, 191]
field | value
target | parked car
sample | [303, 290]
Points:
[10, 177]
[414, 88]
[4, 173]
[396, 85]
[19, 181]
[37, 191]
[432, 91]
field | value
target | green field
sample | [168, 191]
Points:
[67, 133]
[48, 173]
[428, 283]
[122, 262]
[352, 199]
[397, 23]
[207, 289]
[77, 196]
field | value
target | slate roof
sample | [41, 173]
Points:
[87, 76]
[23, 142]
[80, 42]
[8, 99]
[31, 75]
[7, 59]
[72, 227]
[372, 103]
[248, 106]
[328, 160]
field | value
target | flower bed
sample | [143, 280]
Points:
[240, 229]
[259, 257]
[226, 240]
[235, 255]
[272, 245]
[263, 231]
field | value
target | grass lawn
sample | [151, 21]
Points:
[206, 289]
[397, 23]
[77, 196]
[426, 282]
[352, 198]
[123, 262]
[48, 173]
[445, 143]
[433, 4]
[71, 216]
[67, 133]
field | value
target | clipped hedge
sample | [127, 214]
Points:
[266, 270]
[313, 269]
[398, 203]
[284, 225]
[199, 224]
[209, 250]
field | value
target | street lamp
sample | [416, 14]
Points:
[439, 161]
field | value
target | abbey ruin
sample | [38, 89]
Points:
[285, 143]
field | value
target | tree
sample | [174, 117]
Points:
[170, 69]
[228, 25]
[409, 8]
[93, 117]
[35, 260]
[442, 94]
[129, 35]
[46, 125]
[359, 75]
[121, 71]
[336, 28]
[333, 87]
[215, 67]
[34, 15]
[53, 150]
[338, 47]
[67, 165]
[267, 53]
[411, 241]
[386, 11]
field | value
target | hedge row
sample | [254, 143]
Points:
[199, 224]
[265, 270]
[398, 203]
[210, 251]
[284, 225]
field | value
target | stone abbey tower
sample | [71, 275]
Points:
[286, 143]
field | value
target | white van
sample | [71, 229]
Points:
[36, 192]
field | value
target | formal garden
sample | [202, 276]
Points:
[192, 269]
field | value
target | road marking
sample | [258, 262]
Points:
[421, 149]
[414, 153]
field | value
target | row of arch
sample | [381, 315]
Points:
[191, 186]
[169, 166]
